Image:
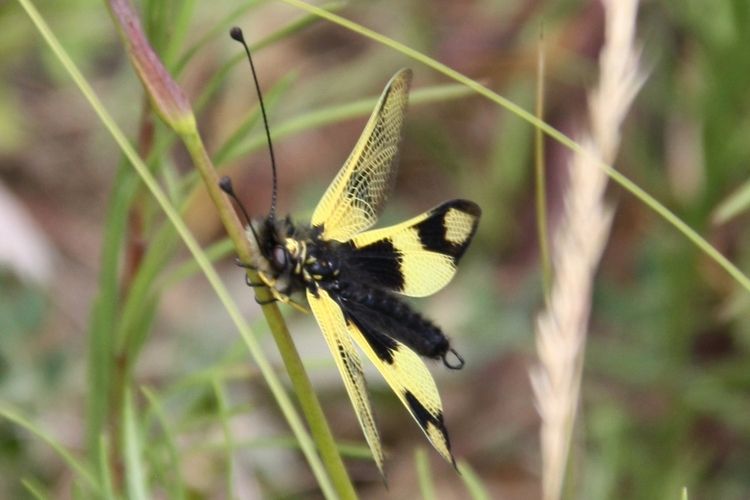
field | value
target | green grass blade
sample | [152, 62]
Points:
[216, 30]
[82, 472]
[219, 77]
[343, 112]
[35, 489]
[154, 261]
[424, 474]
[349, 450]
[216, 252]
[177, 491]
[105, 474]
[224, 416]
[734, 205]
[477, 491]
[101, 342]
[179, 29]
[132, 447]
[270, 98]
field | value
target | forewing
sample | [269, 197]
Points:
[417, 257]
[408, 377]
[331, 321]
[357, 195]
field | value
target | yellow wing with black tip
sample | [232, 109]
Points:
[410, 380]
[356, 197]
[331, 321]
[419, 256]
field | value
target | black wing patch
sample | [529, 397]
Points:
[417, 257]
[405, 372]
[384, 319]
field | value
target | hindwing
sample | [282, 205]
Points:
[417, 257]
[407, 375]
[330, 318]
[356, 197]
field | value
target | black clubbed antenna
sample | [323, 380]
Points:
[236, 34]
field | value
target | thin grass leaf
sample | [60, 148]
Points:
[177, 489]
[81, 471]
[424, 474]
[101, 342]
[179, 29]
[216, 30]
[329, 116]
[349, 450]
[473, 483]
[142, 328]
[274, 95]
[224, 417]
[35, 489]
[105, 474]
[139, 295]
[135, 476]
[735, 204]
[216, 252]
[566, 141]
[219, 77]
[156, 17]
[339, 113]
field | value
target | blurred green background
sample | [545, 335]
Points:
[666, 387]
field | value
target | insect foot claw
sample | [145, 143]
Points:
[251, 284]
[243, 265]
[458, 366]
[265, 302]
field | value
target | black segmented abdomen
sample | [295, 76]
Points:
[379, 314]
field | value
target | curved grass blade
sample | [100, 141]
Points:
[219, 28]
[343, 112]
[104, 470]
[424, 474]
[477, 491]
[35, 489]
[134, 474]
[177, 491]
[80, 470]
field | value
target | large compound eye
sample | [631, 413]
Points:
[279, 257]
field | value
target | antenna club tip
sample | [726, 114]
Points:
[236, 34]
[225, 183]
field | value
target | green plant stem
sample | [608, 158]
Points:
[566, 141]
[319, 428]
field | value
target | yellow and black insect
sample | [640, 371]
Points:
[352, 276]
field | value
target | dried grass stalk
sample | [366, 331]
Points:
[578, 244]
